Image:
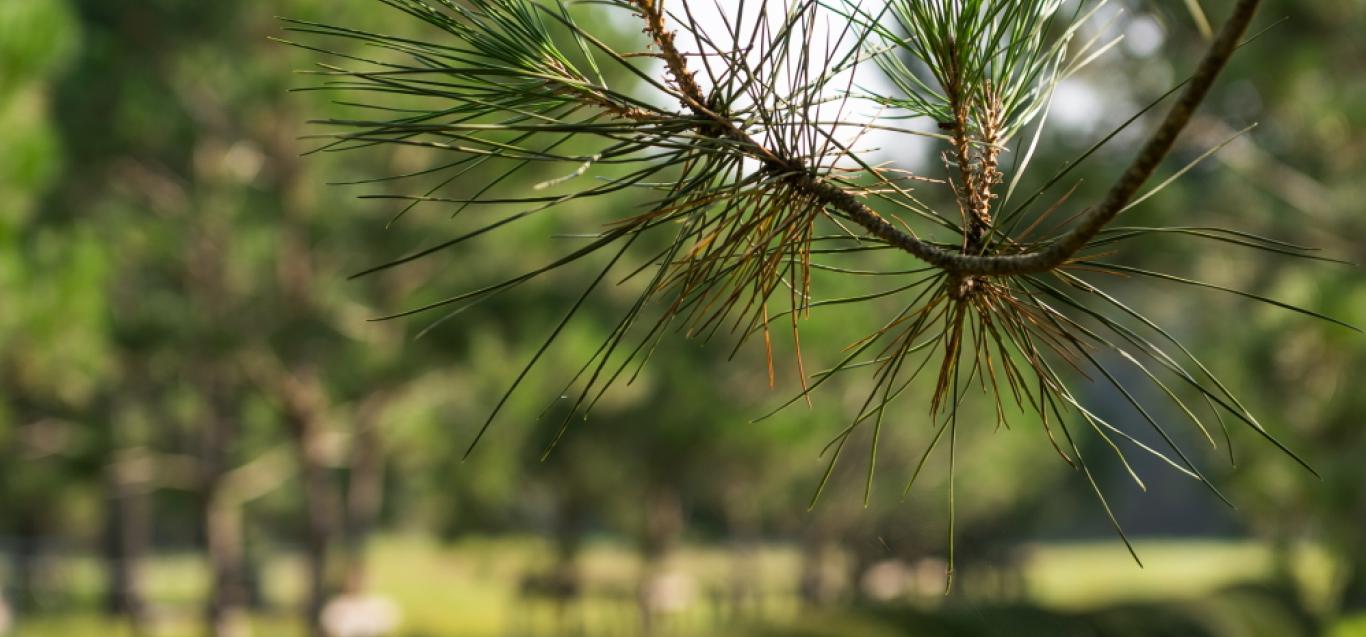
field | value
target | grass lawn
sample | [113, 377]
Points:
[470, 588]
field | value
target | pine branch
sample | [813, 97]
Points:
[979, 313]
[1059, 251]
[1064, 248]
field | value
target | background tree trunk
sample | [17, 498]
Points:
[307, 409]
[662, 527]
[365, 490]
[126, 537]
[742, 520]
[223, 524]
[223, 540]
[27, 566]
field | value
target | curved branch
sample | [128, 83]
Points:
[1060, 250]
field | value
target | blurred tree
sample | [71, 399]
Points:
[52, 351]
[220, 323]
[1302, 175]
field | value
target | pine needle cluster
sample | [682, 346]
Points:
[744, 147]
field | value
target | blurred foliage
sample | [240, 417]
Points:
[168, 254]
